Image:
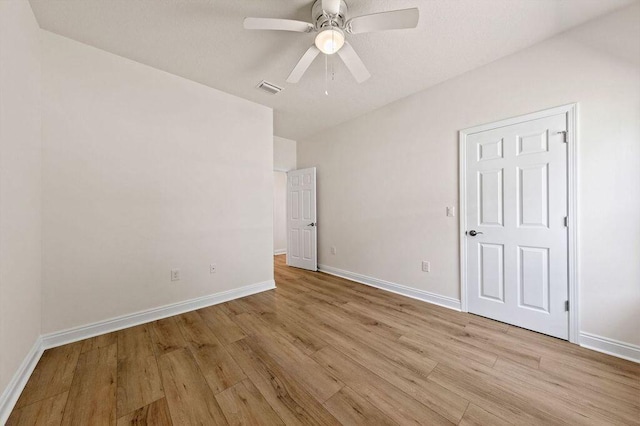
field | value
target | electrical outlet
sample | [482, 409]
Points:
[451, 211]
[213, 268]
[333, 250]
[426, 266]
[175, 275]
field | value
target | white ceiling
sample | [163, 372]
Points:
[204, 41]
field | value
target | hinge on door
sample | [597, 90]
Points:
[566, 221]
[564, 135]
[566, 305]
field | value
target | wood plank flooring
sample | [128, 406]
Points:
[320, 350]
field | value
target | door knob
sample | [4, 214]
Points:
[473, 232]
[312, 224]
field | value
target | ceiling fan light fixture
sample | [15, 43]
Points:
[330, 40]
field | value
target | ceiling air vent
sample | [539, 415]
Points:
[269, 87]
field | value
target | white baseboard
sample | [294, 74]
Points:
[12, 392]
[425, 296]
[279, 251]
[590, 341]
[610, 346]
[113, 324]
[19, 380]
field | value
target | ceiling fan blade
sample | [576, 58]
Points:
[277, 24]
[332, 7]
[303, 64]
[354, 63]
[393, 20]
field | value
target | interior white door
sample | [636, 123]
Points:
[302, 227]
[516, 234]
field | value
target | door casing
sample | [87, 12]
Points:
[571, 111]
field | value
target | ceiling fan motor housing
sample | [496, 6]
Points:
[322, 20]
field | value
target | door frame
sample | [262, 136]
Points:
[571, 110]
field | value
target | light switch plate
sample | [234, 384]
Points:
[451, 211]
[426, 266]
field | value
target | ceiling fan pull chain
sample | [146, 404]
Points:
[326, 75]
[333, 46]
[333, 70]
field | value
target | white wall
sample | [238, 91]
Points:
[385, 178]
[284, 154]
[143, 172]
[20, 186]
[284, 159]
[279, 212]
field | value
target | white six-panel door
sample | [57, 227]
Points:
[301, 219]
[516, 235]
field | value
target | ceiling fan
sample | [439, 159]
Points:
[330, 21]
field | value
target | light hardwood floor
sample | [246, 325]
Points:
[323, 350]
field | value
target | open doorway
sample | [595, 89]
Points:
[284, 160]
[279, 213]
